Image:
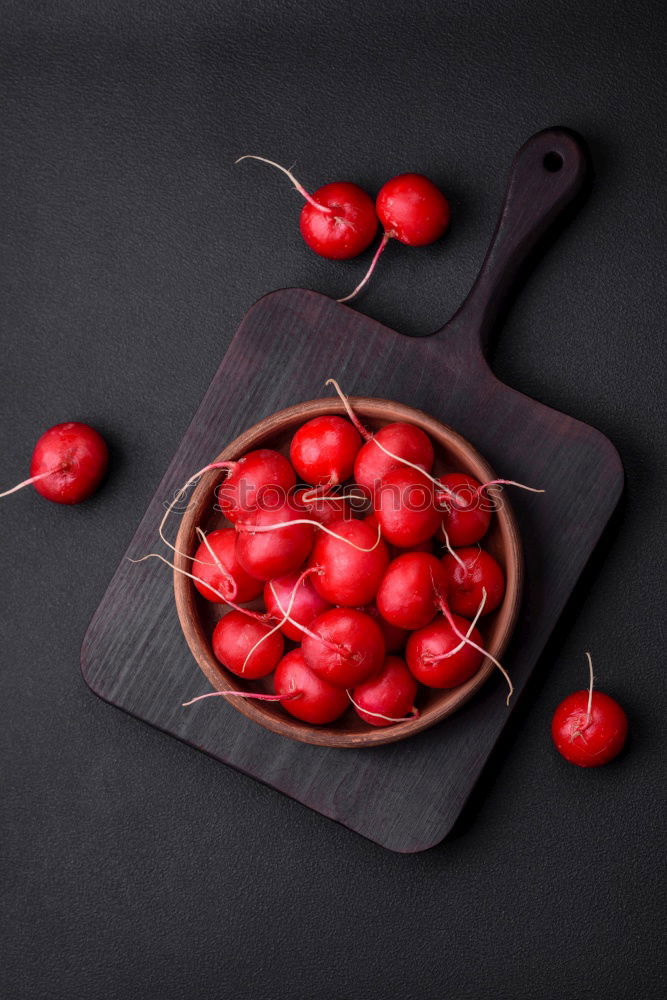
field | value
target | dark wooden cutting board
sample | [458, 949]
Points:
[405, 796]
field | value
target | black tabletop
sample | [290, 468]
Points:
[131, 246]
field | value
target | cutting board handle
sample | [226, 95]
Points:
[547, 174]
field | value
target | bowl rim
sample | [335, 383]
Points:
[374, 409]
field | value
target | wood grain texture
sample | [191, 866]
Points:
[198, 616]
[405, 796]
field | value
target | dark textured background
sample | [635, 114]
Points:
[132, 866]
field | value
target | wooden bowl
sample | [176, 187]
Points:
[198, 616]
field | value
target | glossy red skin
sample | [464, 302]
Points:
[323, 450]
[468, 523]
[361, 649]
[319, 702]
[325, 510]
[270, 554]
[233, 638]
[405, 440]
[306, 606]
[394, 638]
[584, 741]
[259, 478]
[223, 543]
[348, 230]
[347, 576]
[262, 477]
[464, 585]
[80, 456]
[413, 210]
[408, 593]
[435, 639]
[392, 693]
[405, 507]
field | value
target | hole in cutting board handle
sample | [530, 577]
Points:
[553, 162]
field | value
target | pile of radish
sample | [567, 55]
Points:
[371, 571]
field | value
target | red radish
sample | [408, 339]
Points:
[411, 210]
[465, 513]
[389, 448]
[325, 508]
[394, 638]
[344, 647]
[261, 478]
[68, 463]
[307, 604]
[389, 697]
[431, 658]
[589, 728]
[405, 441]
[234, 639]
[351, 565]
[405, 507]
[318, 702]
[409, 593]
[215, 563]
[469, 572]
[278, 549]
[323, 450]
[338, 222]
[347, 228]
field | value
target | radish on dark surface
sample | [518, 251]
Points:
[68, 463]
[411, 210]
[338, 221]
[589, 728]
